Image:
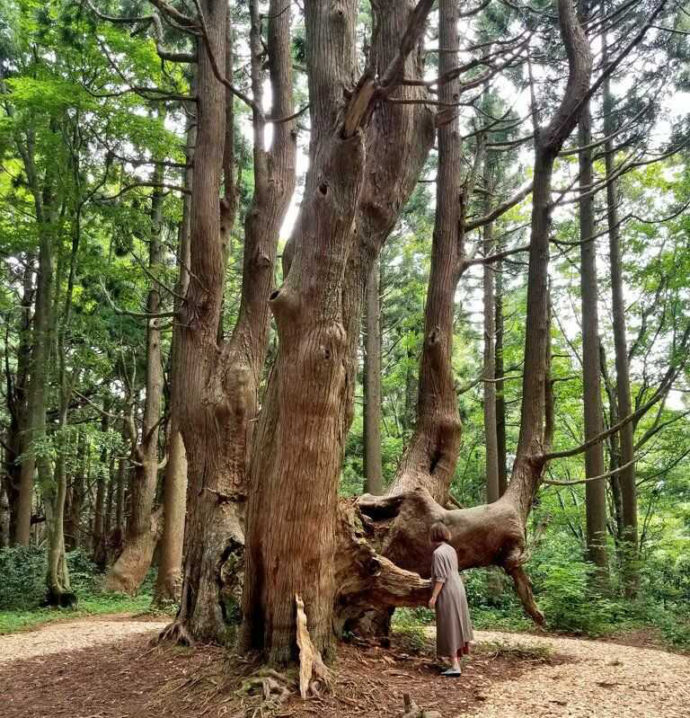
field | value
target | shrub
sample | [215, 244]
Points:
[22, 577]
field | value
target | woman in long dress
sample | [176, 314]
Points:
[453, 624]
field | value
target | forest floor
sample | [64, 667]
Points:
[107, 667]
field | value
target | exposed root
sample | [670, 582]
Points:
[412, 710]
[271, 688]
[311, 664]
[176, 633]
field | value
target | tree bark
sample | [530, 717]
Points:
[115, 540]
[595, 491]
[373, 468]
[98, 540]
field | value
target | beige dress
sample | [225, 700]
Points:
[453, 624]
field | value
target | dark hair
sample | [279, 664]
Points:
[439, 532]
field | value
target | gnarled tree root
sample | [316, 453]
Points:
[177, 634]
[412, 710]
[271, 688]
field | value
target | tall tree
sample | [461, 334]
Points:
[129, 570]
[493, 478]
[626, 475]
[308, 408]
[219, 405]
[169, 576]
[499, 372]
[591, 376]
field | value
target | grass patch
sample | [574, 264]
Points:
[94, 605]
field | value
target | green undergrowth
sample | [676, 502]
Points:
[22, 591]
[563, 590]
[93, 605]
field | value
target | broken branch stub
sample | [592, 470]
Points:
[310, 662]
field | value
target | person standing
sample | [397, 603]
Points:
[453, 623]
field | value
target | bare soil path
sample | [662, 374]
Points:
[63, 636]
[603, 680]
[106, 668]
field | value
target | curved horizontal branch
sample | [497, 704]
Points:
[576, 482]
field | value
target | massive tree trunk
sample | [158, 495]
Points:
[291, 516]
[169, 578]
[373, 468]
[131, 566]
[398, 524]
[626, 476]
[220, 400]
[298, 450]
[595, 491]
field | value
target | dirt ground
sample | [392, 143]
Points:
[107, 668]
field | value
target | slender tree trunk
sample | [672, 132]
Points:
[37, 386]
[75, 496]
[4, 518]
[500, 384]
[130, 568]
[17, 400]
[493, 489]
[410, 408]
[169, 579]
[35, 429]
[109, 507]
[626, 477]
[58, 580]
[432, 453]
[595, 491]
[373, 468]
[99, 536]
[116, 538]
[614, 450]
[59, 592]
